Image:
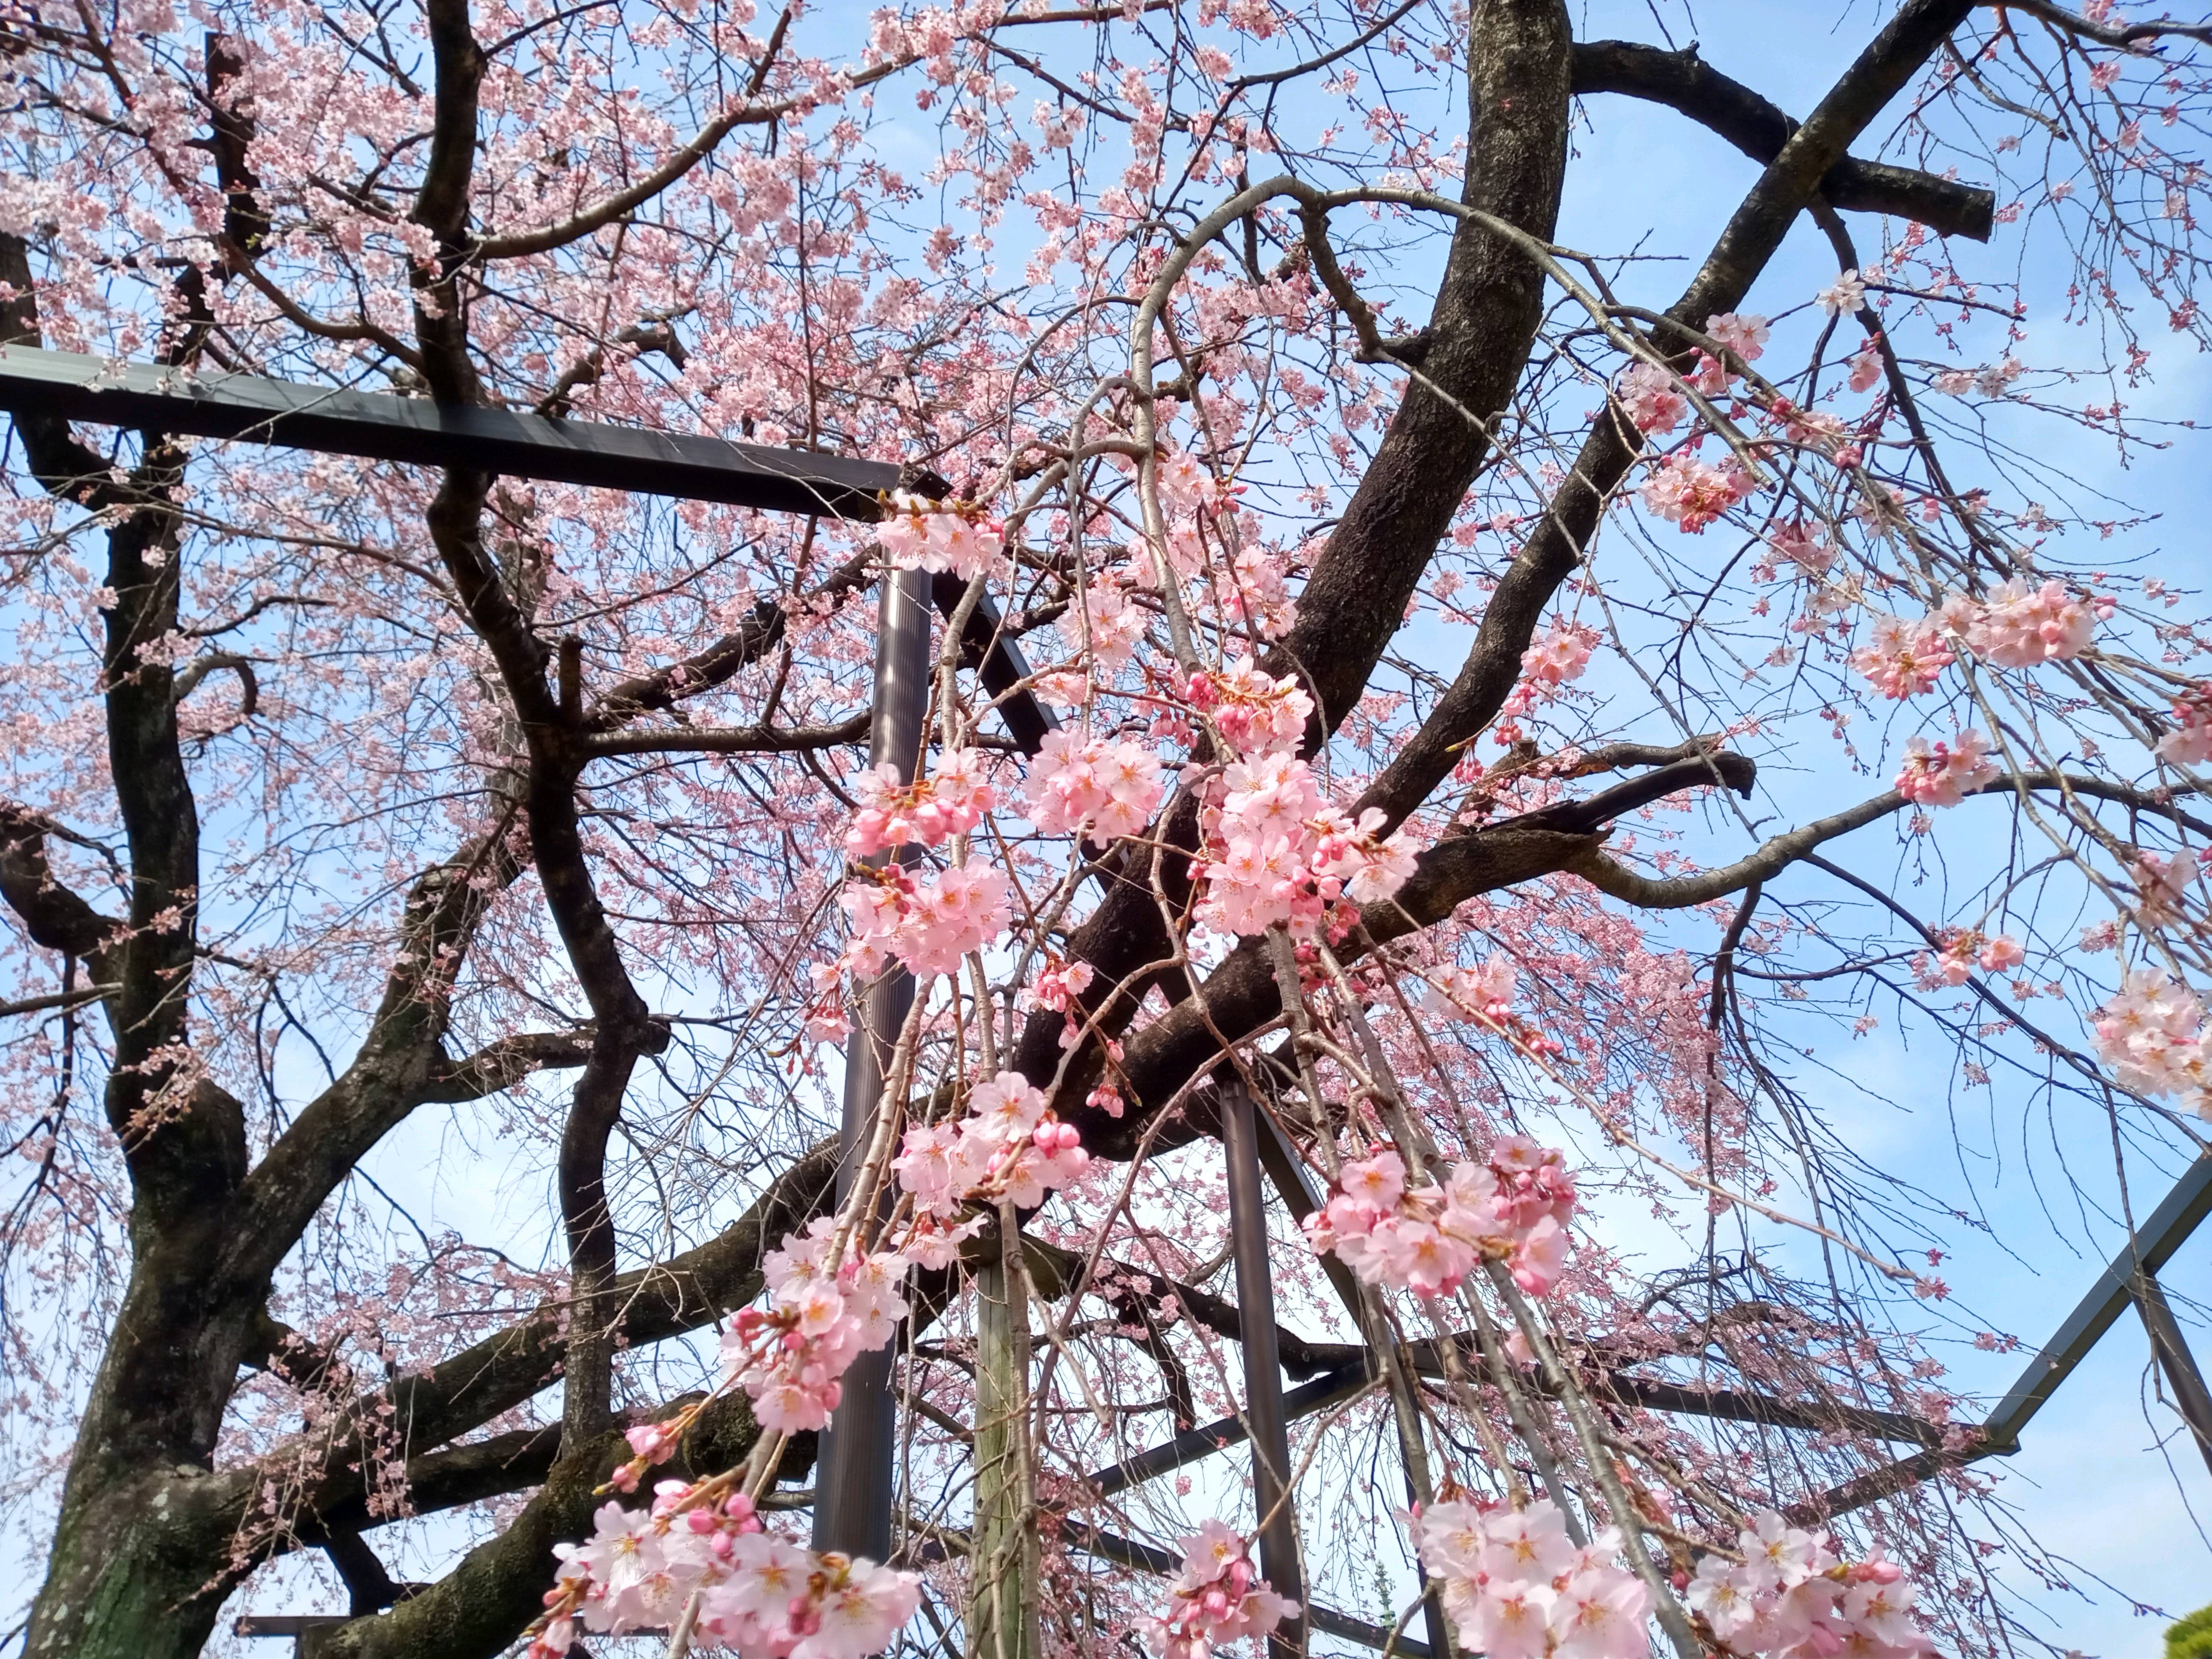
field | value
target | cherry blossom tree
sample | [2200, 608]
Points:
[1505, 695]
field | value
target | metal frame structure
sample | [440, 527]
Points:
[853, 1492]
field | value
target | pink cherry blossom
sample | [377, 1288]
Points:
[1558, 654]
[1094, 787]
[1252, 709]
[1686, 491]
[950, 802]
[920, 536]
[1218, 1598]
[1653, 401]
[2151, 1034]
[928, 925]
[1941, 774]
[1487, 990]
[1426, 1239]
[2189, 743]
[1791, 1595]
[1844, 297]
[1009, 1146]
[1745, 336]
[2018, 626]
[1283, 855]
[759, 1594]
[1903, 659]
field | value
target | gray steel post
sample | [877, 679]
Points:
[2176, 1363]
[1263, 1375]
[852, 1479]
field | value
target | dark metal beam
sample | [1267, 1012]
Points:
[1330, 1389]
[998, 661]
[853, 1479]
[2178, 1365]
[2162, 1233]
[1272, 1495]
[246, 408]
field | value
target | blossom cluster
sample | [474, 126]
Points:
[1903, 659]
[2189, 743]
[1558, 654]
[758, 1593]
[948, 802]
[820, 1318]
[918, 535]
[1282, 853]
[826, 1308]
[1964, 947]
[1553, 658]
[1516, 1586]
[1219, 1597]
[1686, 491]
[1093, 786]
[1113, 622]
[2152, 1035]
[1792, 1596]
[1487, 992]
[929, 925]
[1251, 709]
[1940, 773]
[1650, 394]
[2018, 626]
[1009, 1146]
[1426, 1239]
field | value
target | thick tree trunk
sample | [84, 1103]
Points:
[129, 1576]
[141, 1556]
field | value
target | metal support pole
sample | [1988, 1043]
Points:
[2176, 1362]
[852, 1484]
[1263, 1374]
[1297, 1191]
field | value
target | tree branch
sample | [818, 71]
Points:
[605, 213]
[1613, 444]
[1482, 328]
[1779, 852]
[759, 633]
[1684, 82]
[734, 740]
[51, 914]
[500, 1066]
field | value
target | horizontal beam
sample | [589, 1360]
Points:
[1737, 1405]
[1330, 1389]
[248, 409]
